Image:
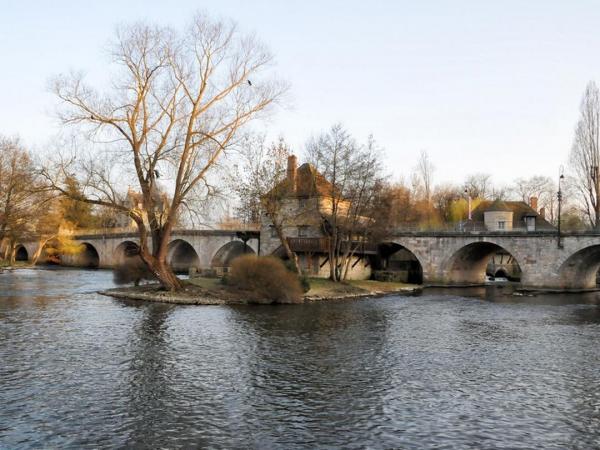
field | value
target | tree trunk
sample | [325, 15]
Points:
[13, 254]
[288, 250]
[38, 252]
[156, 260]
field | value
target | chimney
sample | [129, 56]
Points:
[292, 170]
[543, 213]
[533, 202]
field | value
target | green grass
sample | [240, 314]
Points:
[206, 283]
[4, 263]
[324, 287]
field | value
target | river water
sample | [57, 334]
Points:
[445, 369]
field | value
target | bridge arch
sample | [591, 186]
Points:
[228, 252]
[470, 262]
[125, 252]
[21, 253]
[88, 256]
[400, 262]
[580, 269]
[181, 255]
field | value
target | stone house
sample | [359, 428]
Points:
[306, 207]
[499, 215]
[133, 200]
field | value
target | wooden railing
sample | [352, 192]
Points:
[321, 245]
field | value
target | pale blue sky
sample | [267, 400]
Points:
[482, 86]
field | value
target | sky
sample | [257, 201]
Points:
[488, 87]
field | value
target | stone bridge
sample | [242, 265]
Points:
[188, 248]
[443, 257]
[459, 257]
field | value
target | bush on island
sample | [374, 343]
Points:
[304, 280]
[133, 270]
[266, 279]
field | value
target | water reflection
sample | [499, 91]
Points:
[475, 368]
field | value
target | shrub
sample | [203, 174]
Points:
[305, 283]
[133, 270]
[266, 279]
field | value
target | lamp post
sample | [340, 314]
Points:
[469, 200]
[559, 196]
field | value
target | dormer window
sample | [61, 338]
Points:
[501, 225]
[530, 223]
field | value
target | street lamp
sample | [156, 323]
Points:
[469, 200]
[559, 196]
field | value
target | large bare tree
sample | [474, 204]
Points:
[176, 102]
[585, 155]
[354, 173]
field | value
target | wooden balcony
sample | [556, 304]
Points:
[321, 245]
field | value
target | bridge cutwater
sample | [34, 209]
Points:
[444, 257]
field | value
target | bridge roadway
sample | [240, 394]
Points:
[444, 257]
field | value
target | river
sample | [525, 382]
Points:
[475, 368]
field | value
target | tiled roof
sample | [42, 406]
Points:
[309, 183]
[520, 210]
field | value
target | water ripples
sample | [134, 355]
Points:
[434, 371]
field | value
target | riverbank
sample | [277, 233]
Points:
[5, 265]
[209, 291]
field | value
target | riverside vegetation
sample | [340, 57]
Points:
[253, 280]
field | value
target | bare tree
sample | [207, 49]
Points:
[263, 187]
[353, 172]
[479, 185]
[541, 187]
[177, 102]
[424, 172]
[585, 156]
[19, 195]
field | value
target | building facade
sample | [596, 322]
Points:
[306, 207]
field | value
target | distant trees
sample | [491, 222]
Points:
[354, 172]
[424, 172]
[479, 185]
[19, 202]
[79, 214]
[585, 155]
[177, 101]
[541, 187]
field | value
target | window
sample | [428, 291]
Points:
[302, 203]
[273, 231]
[501, 225]
[530, 222]
[303, 231]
